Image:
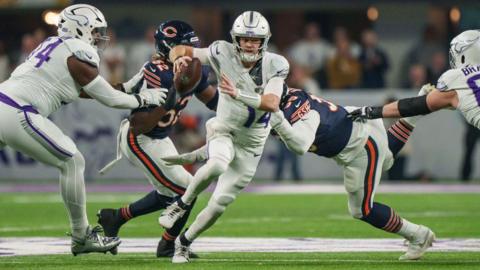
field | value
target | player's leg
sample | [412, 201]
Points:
[230, 184]
[166, 245]
[399, 133]
[361, 177]
[169, 181]
[220, 154]
[39, 138]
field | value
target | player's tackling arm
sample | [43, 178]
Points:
[209, 97]
[98, 88]
[421, 105]
[299, 137]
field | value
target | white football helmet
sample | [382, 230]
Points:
[253, 25]
[465, 49]
[84, 22]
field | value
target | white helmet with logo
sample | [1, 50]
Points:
[84, 22]
[253, 25]
[465, 49]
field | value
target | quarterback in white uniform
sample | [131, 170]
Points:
[236, 136]
[457, 88]
[57, 72]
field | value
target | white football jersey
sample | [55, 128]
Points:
[44, 80]
[466, 82]
[249, 126]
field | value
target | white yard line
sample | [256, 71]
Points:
[12, 246]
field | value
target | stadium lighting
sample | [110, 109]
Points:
[372, 13]
[50, 17]
[455, 14]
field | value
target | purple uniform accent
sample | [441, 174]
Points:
[29, 108]
[10, 102]
[251, 117]
[46, 138]
[472, 83]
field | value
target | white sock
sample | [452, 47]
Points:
[408, 229]
[72, 188]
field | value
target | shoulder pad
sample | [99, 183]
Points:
[83, 51]
[219, 47]
[279, 66]
[453, 79]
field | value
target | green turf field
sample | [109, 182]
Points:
[322, 215]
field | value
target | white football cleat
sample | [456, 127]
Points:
[94, 242]
[419, 243]
[182, 253]
[170, 215]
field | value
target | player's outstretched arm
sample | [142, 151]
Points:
[299, 137]
[98, 88]
[424, 104]
[268, 102]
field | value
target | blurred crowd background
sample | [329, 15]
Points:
[333, 46]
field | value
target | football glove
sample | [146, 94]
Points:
[364, 113]
[152, 96]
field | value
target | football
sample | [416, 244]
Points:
[188, 78]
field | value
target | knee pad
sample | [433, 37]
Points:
[217, 166]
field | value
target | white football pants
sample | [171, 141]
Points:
[39, 138]
[146, 154]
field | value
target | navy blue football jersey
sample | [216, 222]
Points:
[335, 128]
[159, 75]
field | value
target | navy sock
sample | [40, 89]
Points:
[398, 135]
[151, 202]
[383, 217]
[184, 240]
[178, 226]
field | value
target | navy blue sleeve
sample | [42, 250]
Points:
[203, 84]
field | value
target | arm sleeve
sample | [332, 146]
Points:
[299, 137]
[102, 91]
[202, 55]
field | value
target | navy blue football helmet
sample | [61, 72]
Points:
[173, 33]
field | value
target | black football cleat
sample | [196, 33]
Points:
[167, 249]
[111, 223]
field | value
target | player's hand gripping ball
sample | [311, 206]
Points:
[187, 77]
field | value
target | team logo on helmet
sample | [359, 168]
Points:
[170, 31]
[464, 45]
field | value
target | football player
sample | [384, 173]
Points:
[241, 127]
[57, 72]
[144, 140]
[457, 88]
[363, 149]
